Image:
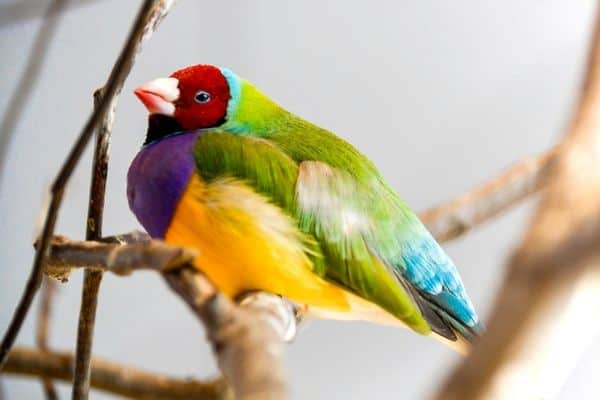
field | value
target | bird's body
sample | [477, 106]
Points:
[274, 203]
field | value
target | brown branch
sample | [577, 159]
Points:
[146, 21]
[114, 378]
[121, 259]
[92, 279]
[539, 317]
[459, 215]
[43, 330]
[248, 342]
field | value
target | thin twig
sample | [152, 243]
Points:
[121, 258]
[114, 378]
[459, 215]
[546, 308]
[92, 279]
[43, 330]
[29, 77]
[148, 18]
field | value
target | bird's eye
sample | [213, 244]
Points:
[202, 97]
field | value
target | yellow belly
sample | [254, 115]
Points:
[246, 243]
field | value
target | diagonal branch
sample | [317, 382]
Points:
[92, 279]
[248, 341]
[146, 21]
[456, 217]
[114, 378]
[544, 314]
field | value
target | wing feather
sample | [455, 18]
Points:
[365, 238]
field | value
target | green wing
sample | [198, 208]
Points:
[323, 200]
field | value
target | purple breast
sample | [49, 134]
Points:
[157, 178]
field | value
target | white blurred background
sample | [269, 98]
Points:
[441, 95]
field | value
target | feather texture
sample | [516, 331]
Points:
[279, 204]
[370, 241]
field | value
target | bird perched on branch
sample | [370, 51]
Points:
[274, 203]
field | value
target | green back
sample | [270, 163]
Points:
[343, 257]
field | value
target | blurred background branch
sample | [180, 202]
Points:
[456, 217]
[114, 378]
[544, 315]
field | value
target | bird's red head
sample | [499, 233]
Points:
[195, 97]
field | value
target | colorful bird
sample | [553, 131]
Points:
[274, 203]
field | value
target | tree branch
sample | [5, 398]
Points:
[120, 258]
[544, 314]
[459, 215]
[247, 341]
[147, 20]
[92, 279]
[114, 378]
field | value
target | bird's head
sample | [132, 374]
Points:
[204, 97]
[196, 97]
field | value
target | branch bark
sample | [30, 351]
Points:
[92, 279]
[541, 318]
[248, 341]
[456, 217]
[114, 378]
[151, 13]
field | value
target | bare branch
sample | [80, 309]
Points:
[114, 378]
[65, 254]
[459, 215]
[92, 279]
[146, 22]
[545, 308]
[43, 330]
[248, 341]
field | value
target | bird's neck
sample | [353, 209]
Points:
[253, 113]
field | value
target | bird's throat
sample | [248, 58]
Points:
[160, 126]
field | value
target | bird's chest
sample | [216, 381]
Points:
[157, 178]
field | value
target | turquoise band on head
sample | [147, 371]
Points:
[235, 90]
